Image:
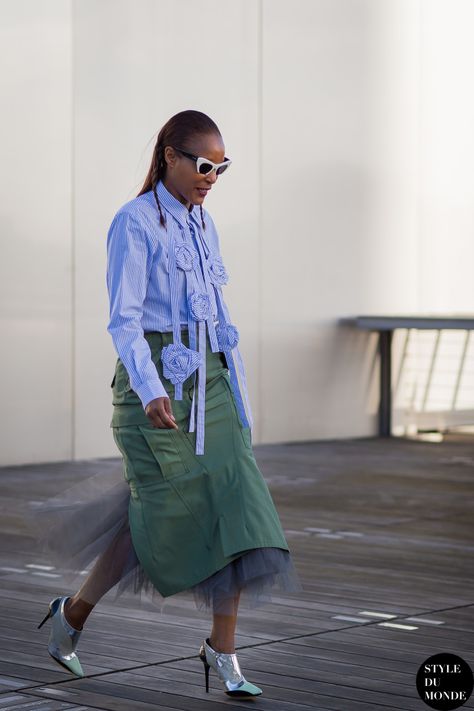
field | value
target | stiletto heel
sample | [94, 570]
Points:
[63, 638]
[46, 618]
[228, 670]
[206, 669]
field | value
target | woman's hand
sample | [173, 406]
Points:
[160, 413]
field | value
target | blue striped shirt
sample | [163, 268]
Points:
[161, 278]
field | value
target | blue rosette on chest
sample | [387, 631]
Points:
[186, 257]
[200, 306]
[216, 270]
[227, 337]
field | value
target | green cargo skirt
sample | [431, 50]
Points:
[201, 523]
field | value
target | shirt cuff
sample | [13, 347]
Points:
[150, 390]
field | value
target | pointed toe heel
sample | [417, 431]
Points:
[228, 671]
[63, 638]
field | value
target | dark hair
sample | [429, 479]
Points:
[175, 132]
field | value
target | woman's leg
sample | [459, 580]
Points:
[222, 637]
[107, 571]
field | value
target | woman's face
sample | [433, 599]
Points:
[182, 179]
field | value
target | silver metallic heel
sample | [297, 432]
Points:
[63, 638]
[228, 670]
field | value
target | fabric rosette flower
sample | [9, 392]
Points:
[186, 256]
[216, 269]
[227, 337]
[200, 306]
[179, 362]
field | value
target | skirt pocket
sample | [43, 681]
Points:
[164, 447]
[191, 502]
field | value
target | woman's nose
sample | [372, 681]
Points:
[212, 177]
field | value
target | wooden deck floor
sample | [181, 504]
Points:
[381, 532]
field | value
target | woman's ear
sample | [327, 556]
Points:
[170, 156]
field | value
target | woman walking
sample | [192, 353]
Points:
[197, 515]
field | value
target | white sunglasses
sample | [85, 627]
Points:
[204, 166]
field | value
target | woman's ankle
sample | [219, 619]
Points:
[76, 612]
[225, 647]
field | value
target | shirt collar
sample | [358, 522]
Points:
[174, 206]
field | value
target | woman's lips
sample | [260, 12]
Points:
[203, 191]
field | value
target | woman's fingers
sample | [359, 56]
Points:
[160, 413]
[169, 412]
[152, 414]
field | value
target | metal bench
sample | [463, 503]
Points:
[385, 325]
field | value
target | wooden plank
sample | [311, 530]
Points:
[397, 516]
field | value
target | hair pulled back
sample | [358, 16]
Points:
[176, 132]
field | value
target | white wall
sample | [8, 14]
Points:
[446, 150]
[349, 125]
[36, 269]
[339, 228]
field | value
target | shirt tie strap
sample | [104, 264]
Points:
[175, 311]
[229, 337]
[208, 289]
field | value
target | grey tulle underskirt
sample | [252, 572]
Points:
[90, 520]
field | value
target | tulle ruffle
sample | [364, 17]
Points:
[90, 520]
[258, 573]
